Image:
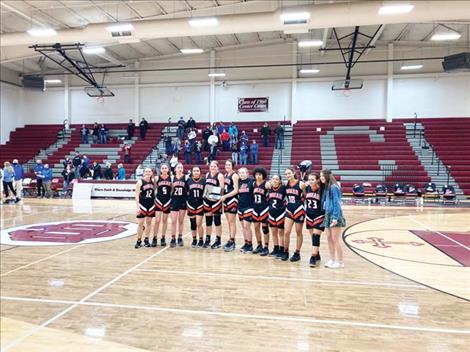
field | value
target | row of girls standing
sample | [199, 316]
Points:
[272, 209]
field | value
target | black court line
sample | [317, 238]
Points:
[7, 249]
[391, 271]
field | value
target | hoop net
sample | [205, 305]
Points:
[100, 99]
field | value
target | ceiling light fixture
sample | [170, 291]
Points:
[309, 43]
[120, 27]
[395, 9]
[442, 36]
[93, 50]
[411, 67]
[309, 70]
[52, 81]
[42, 32]
[216, 74]
[192, 51]
[295, 16]
[203, 22]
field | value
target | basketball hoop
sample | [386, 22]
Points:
[100, 99]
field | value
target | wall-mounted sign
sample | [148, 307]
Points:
[260, 104]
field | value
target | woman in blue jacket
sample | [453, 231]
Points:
[334, 220]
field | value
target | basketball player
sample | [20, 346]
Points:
[230, 201]
[195, 205]
[178, 205]
[145, 202]
[261, 211]
[245, 207]
[277, 213]
[163, 186]
[295, 213]
[212, 206]
[314, 214]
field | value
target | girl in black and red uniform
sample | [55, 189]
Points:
[163, 186]
[314, 214]
[213, 207]
[245, 208]
[178, 205]
[295, 213]
[195, 205]
[277, 214]
[230, 201]
[261, 211]
[145, 201]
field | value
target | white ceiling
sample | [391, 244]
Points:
[21, 15]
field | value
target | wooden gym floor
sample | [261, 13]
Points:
[405, 287]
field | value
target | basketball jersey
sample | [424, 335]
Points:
[212, 180]
[147, 192]
[195, 190]
[228, 183]
[245, 193]
[260, 192]
[164, 187]
[179, 188]
[294, 195]
[313, 200]
[277, 198]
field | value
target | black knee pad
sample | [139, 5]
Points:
[265, 229]
[193, 224]
[209, 220]
[316, 240]
[217, 220]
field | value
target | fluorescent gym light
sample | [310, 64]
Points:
[295, 16]
[441, 36]
[93, 50]
[395, 9]
[203, 22]
[49, 81]
[216, 74]
[411, 67]
[309, 70]
[192, 51]
[120, 27]
[310, 43]
[42, 32]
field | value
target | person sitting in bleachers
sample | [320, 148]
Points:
[220, 128]
[233, 132]
[225, 139]
[187, 152]
[108, 172]
[244, 138]
[121, 174]
[398, 190]
[97, 174]
[84, 171]
[85, 161]
[197, 152]
[430, 187]
[448, 192]
[205, 136]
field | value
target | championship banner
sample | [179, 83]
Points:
[260, 104]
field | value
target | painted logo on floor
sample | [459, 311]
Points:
[67, 232]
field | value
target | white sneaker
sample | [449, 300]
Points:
[336, 265]
[329, 263]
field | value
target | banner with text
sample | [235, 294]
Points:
[260, 104]
[113, 190]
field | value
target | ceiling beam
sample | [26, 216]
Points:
[188, 5]
[48, 15]
[160, 7]
[173, 44]
[236, 38]
[75, 13]
[375, 38]
[325, 36]
[152, 47]
[429, 35]
[404, 32]
[133, 10]
[111, 17]
[22, 14]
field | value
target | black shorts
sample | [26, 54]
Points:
[231, 205]
[276, 218]
[296, 213]
[178, 204]
[260, 214]
[195, 209]
[314, 220]
[245, 214]
[146, 210]
[163, 205]
[212, 207]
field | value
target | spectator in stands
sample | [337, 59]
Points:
[225, 139]
[96, 132]
[214, 129]
[233, 132]
[85, 171]
[205, 136]
[68, 175]
[97, 174]
[143, 127]
[279, 136]
[47, 172]
[139, 172]
[108, 172]
[38, 171]
[8, 178]
[243, 153]
[212, 152]
[84, 132]
[187, 152]
[265, 132]
[130, 129]
[127, 153]
[220, 128]
[76, 162]
[85, 161]
[121, 174]
[197, 152]
[192, 133]
[19, 174]
[234, 149]
[244, 138]
[176, 146]
[191, 123]
[254, 148]
[66, 162]
[173, 162]
[181, 128]
[103, 134]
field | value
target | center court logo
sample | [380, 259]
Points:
[67, 232]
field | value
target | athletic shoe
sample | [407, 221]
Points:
[229, 246]
[146, 242]
[329, 263]
[258, 249]
[163, 242]
[154, 242]
[207, 243]
[200, 243]
[194, 243]
[264, 252]
[274, 252]
[295, 257]
[138, 244]
[216, 244]
[242, 248]
[180, 241]
[336, 265]
[173, 242]
[318, 258]
[285, 256]
[7, 201]
[17, 200]
[248, 248]
[279, 254]
[313, 261]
